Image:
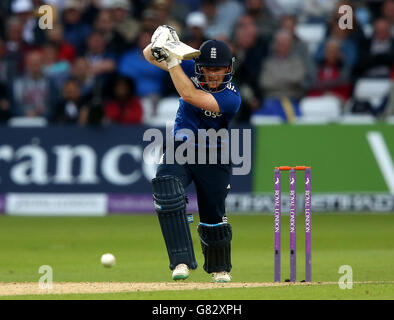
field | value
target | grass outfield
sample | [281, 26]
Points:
[73, 246]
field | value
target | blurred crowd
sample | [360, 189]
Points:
[89, 68]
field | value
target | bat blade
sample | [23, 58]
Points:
[181, 50]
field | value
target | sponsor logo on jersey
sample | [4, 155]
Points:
[212, 114]
[231, 87]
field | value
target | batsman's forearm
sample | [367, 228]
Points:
[182, 83]
[147, 52]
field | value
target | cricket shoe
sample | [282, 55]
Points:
[221, 277]
[181, 272]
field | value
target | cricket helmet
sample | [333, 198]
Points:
[214, 53]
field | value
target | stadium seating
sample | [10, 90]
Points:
[166, 112]
[320, 109]
[372, 90]
[265, 120]
[311, 33]
[147, 107]
[27, 122]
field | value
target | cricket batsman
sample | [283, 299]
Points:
[208, 100]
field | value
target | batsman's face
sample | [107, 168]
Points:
[214, 76]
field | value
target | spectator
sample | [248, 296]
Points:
[208, 8]
[279, 8]
[363, 15]
[139, 6]
[3, 63]
[250, 50]
[317, 11]
[389, 108]
[125, 24]
[68, 109]
[378, 53]
[16, 49]
[348, 45]
[222, 18]
[333, 75]
[5, 111]
[75, 29]
[66, 50]
[90, 10]
[148, 21]
[283, 72]
[388, 14]
[169, 11]
[282, 79]
[148, 78]
[299, 47]
[55, 69]
[101, 63]
[180, 9]
[115, 43]
[4, 14]
[196, 23]
[193, 5]
[125, 107]
[349, 39]
[265, 22]
[38, 3]
[57, 4]
[163, 10]
[32, 92]
[24, 10]
[80, 72]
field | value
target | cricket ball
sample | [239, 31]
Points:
[108, 260]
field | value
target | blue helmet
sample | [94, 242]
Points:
[214, 53]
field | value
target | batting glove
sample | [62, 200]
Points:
[172, 62]
[166, 33]
[160, 37]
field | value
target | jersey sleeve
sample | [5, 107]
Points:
[188, 67]
[229, 100]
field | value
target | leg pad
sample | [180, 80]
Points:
[216, 246]
[170, 205]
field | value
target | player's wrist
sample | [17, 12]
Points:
[172, 62]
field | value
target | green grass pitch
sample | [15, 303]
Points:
[73, 246]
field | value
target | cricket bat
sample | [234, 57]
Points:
[181, 50]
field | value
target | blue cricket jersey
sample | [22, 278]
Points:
[194, 118]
